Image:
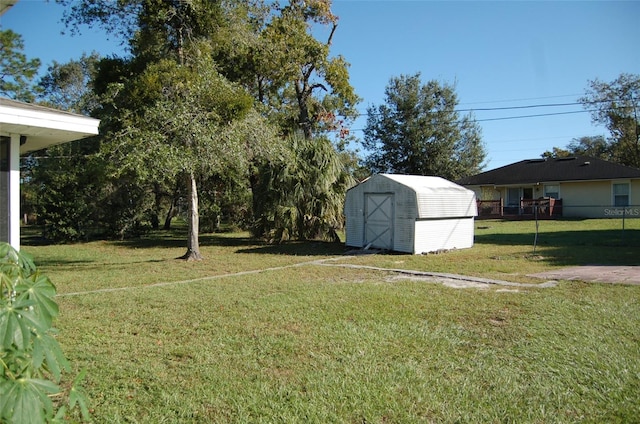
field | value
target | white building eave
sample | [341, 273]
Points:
[43, 127]
[27, 128]
[6, 5]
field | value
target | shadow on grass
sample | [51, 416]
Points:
[63, 264]
[605, 247]
[32, 236]
[606, 238]
[177, 239]
[298, 248]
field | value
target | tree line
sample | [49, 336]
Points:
[616, 106]
[231, 112]
[220, 111]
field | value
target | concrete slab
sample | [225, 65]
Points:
[596, 274]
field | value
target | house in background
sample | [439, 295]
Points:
[24, 128]
[577, 186]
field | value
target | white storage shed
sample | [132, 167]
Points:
[409, 213]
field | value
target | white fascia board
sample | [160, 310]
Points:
[83, 125]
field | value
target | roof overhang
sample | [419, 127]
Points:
[548, 182]
[43, 127]
[6, 5]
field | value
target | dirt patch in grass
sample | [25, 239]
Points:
[448, 282]
[446, 279]
[595, 273]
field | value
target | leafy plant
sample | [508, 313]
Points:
[31, 358]
[302, 197]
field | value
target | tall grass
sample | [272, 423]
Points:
[319, 344]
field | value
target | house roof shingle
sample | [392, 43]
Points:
[531, 171]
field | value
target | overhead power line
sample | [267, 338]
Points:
[518, 107]
[530, 116]
[532, 106]
[504, 118]
[522, 100]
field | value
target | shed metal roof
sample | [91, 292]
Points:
[432, 197]
[421, 184]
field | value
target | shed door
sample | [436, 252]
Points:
[378, 220]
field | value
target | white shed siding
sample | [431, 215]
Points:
[405, 215]
[426, 211]
[440, 203]
[404, 236]
[354, 215]
[443, 234]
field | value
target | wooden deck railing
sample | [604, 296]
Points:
[546, 208]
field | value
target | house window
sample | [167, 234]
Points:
[552, 191]
[621, 194]
[513, 197]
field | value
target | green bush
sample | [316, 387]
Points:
[31, 358]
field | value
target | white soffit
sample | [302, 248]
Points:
[6, 5]
[42, 126]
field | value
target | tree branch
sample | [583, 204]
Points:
[317, 85]
[333, 30]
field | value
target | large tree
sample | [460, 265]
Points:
[190, 123]
[616, 105]
[17, 73]
[62, 184]
[68, 86]
[268, 49]
[594, 146]
[307, 91]
[281, 53]
[418, 131]
[168, 110]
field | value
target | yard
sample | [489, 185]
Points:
[259, 333]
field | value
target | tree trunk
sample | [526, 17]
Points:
[167, 220]
[155, 214]
[255, 201]
[174, 203]
[193, 244]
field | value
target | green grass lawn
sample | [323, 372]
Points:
[318, 344]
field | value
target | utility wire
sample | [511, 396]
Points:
[541, 105]
[518, 107]
[504, 118]
[529, 116]
[522, 100]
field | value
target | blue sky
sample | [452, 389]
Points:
[498, 55]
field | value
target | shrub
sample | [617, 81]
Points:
[31, 359]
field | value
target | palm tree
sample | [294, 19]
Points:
[302, 197]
